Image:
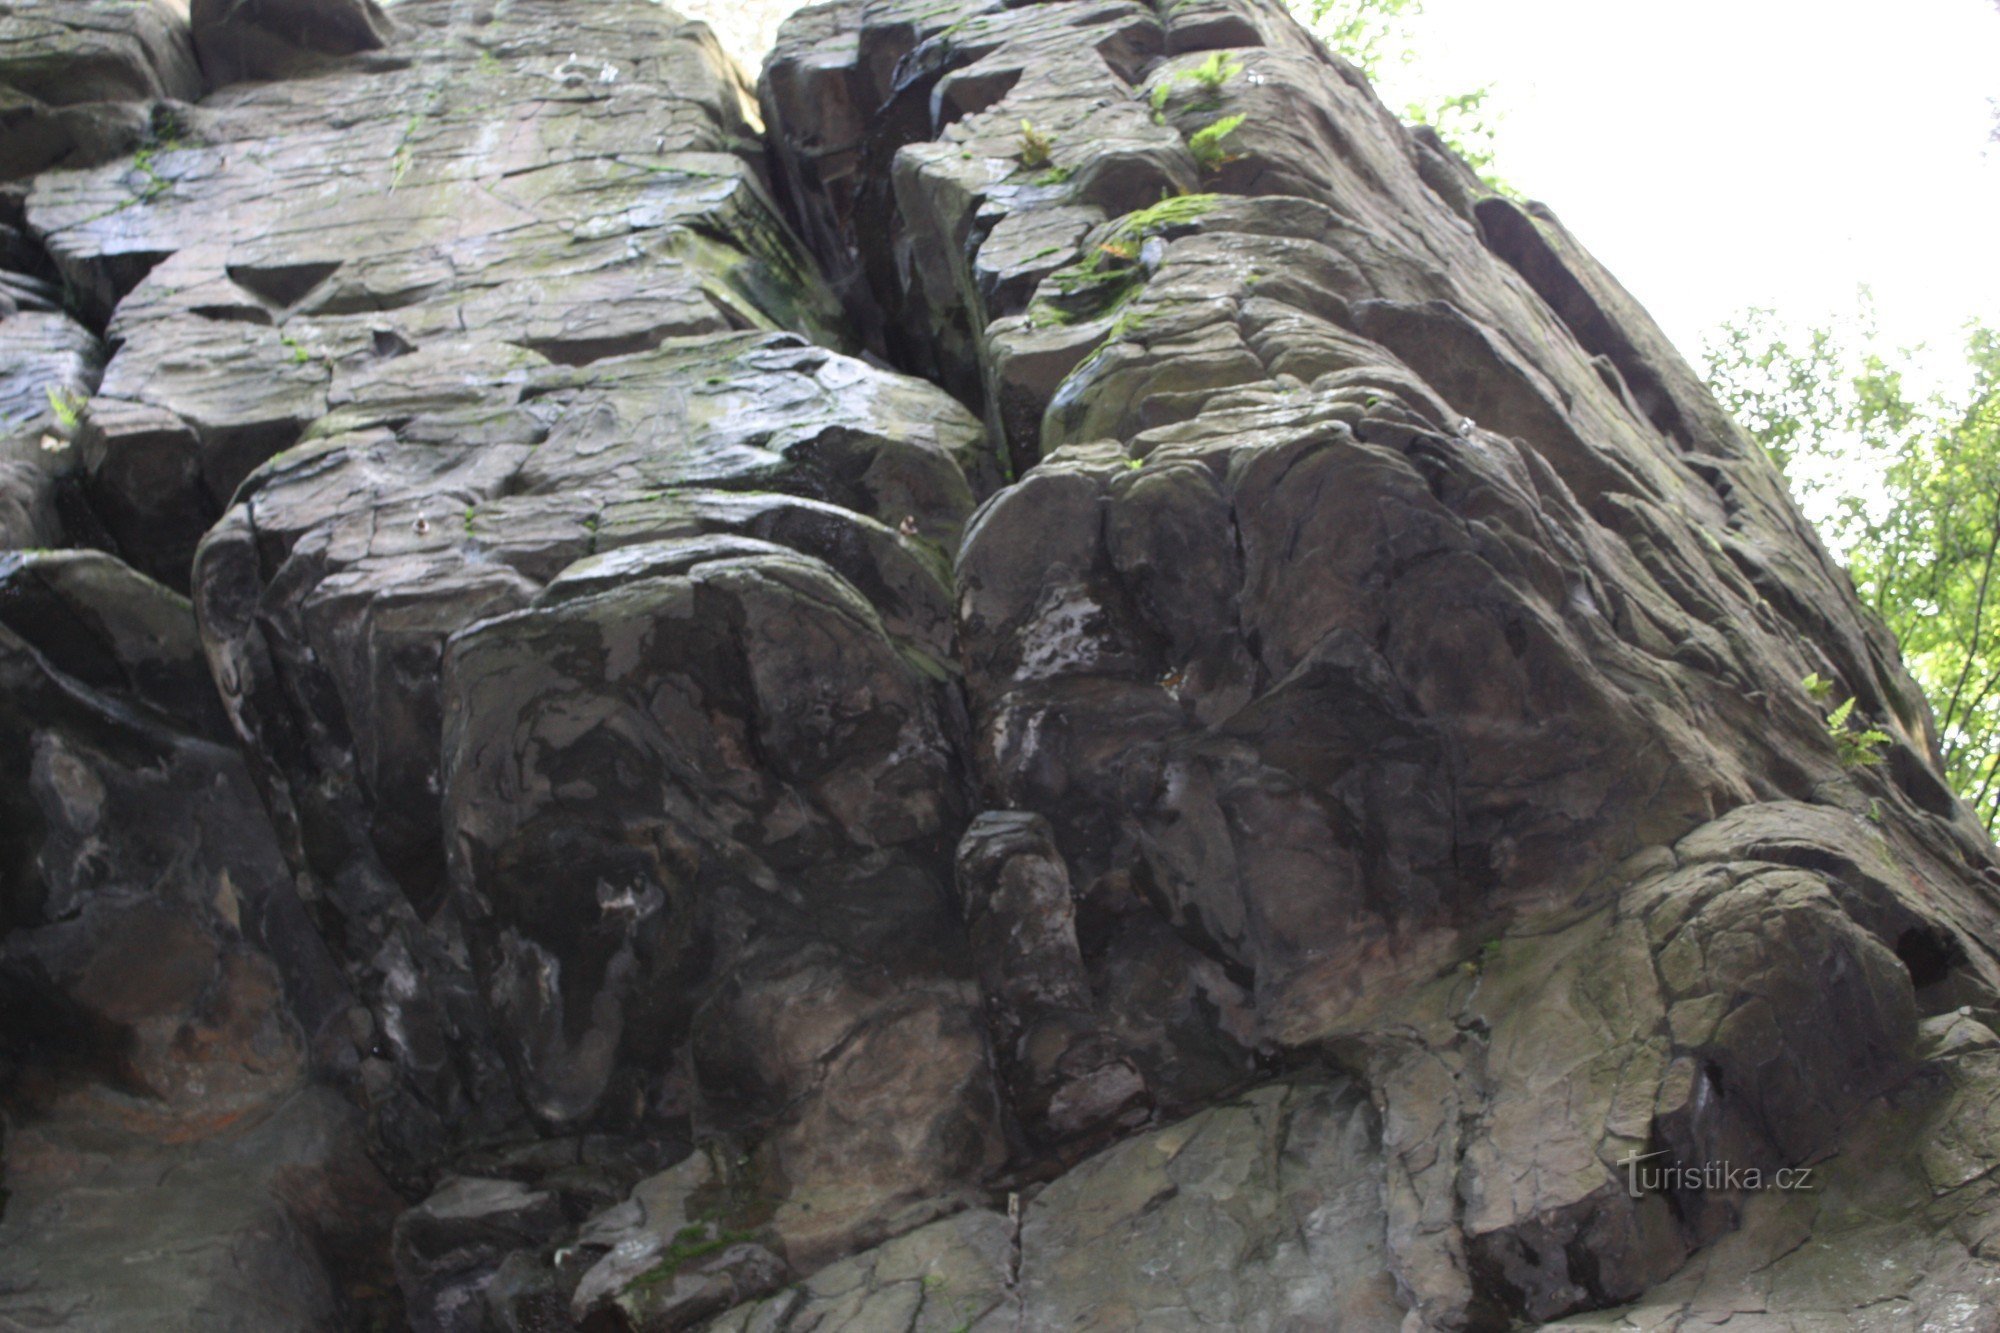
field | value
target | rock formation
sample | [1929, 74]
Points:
[1044, 674]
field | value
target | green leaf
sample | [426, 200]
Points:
[1206, 142]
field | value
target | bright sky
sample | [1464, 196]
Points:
[1718, 154]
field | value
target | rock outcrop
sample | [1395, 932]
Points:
[1044, 674]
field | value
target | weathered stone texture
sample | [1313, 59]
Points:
[926, 697]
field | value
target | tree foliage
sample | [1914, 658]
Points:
[1371, 34]
[1378, 38]
[1905, 483]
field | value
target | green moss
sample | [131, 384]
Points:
[162, 137]
[695, 1241]
[1176, 210]
[1128, 322]
[152, 184]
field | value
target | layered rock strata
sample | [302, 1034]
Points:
[1043, 675]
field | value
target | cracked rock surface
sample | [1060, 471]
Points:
[928, 695]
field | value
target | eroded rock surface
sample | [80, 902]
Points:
[81, 81]
[937, 696]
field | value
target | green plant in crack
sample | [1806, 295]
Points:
[1111, 273]
[65, 406]
[1858, 747]
[298, 349]
[1037, 146]
[1206, 143]
[1209, 76]
[151, 184]
[1215, 71]
[163, 135]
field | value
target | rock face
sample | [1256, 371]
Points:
[1045, 675]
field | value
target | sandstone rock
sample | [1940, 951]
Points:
[237, 1232]
[78, 79]
[964, 712]
[250, 316]
[954, 1273]
[1264, 1213]
[97, 622]
[168, 1164]
[1068, 1076]
[447, 1248]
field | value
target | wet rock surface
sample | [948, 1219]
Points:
[957, 692]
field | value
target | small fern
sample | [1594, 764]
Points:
[1857, 748]
[1215, 71]
[1206, 143]
[65, 406]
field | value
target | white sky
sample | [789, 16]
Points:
[1718, 154]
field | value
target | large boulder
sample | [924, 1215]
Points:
[165, 1003]
[1379, 600]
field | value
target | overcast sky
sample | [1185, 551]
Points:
[1718, 154]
